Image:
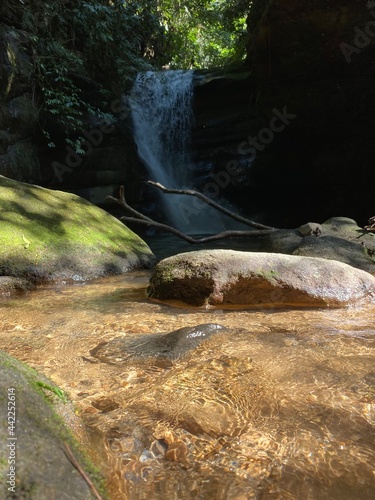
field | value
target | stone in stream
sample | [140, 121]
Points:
[220, 277]
[161, 348]
[311, 228]
[338, 238]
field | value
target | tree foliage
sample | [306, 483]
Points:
[205, 33]
[72, 40]
[109, 41]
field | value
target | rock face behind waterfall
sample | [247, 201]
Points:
[320, 165]
[227, 277]
[318, 62]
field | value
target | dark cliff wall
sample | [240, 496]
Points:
[317, 59]
[299, 128]
[18, 110]
[224, 113]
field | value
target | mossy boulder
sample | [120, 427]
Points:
[50, 235]
[33, 463]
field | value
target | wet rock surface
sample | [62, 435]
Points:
[227, 277]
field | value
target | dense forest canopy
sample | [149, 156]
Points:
[108, 41]
[204, 33]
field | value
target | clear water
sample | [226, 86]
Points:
[281, 406]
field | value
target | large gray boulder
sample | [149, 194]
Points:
[338, 238]
[34, 461]
[215, 277]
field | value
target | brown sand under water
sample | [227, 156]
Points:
[278, 406]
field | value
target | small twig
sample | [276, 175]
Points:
[212, 203]
[371, 224]
[206, 239]
[68, 452]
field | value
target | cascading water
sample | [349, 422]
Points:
[161, 113]
[161, 106]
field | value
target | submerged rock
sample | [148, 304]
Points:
[220, 277]
[50, 235]
[34, 465]
[161, 349]
[214, 397]
[10, 285]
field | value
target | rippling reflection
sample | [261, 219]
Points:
[279, 405]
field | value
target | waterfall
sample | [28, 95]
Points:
[161, 108]
[161, 112]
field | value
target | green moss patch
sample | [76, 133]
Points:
[46, 234]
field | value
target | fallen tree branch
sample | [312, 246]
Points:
[139, 218]
[122, 202]
[190, 239]
[197, 194]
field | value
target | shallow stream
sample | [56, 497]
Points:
[280, 405]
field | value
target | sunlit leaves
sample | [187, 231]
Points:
[204, 33]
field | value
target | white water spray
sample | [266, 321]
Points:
[162, 117]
